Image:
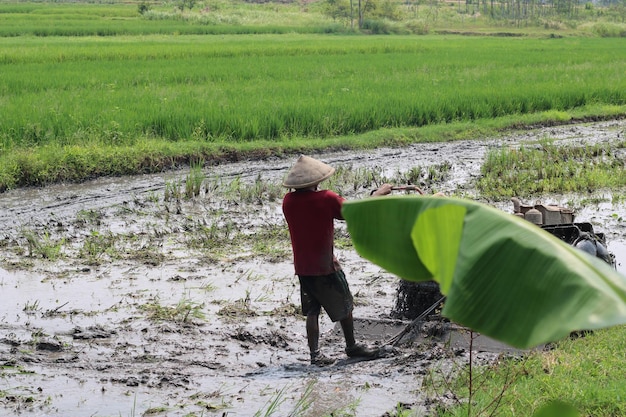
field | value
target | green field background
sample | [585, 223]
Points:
[148, 93]
[246, 88]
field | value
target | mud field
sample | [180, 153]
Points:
[120, 300]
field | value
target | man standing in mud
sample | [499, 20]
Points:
[310, 215]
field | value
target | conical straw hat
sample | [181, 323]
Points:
[307, 172]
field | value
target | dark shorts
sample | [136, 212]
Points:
[328, 291]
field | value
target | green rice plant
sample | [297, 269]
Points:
[96, 245]
[43, 246]
[172, 191]
[161, 100]
[548, 168]
[202, 236]
[153, 411]
[238, 308]
[183, 312]
[232, 190]
[347, 179]
[299, 408]
[82, 19]
[438, 172]
[423, 176]
[170, 86]
[215, 236]
[229, 229]
[32, 307]
[271, 251]
[271, 241]
[261, 191]
[194, 180]
[153, 197]
[287, 309]
[412, 176]
[89, 217]
[349, 410]
[147, 254]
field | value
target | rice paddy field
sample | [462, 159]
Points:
[100, 89]
[264, 87]
[104, 89]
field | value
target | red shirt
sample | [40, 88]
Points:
[310, 216]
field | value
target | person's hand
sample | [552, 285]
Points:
[383, 190]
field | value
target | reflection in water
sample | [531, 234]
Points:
[618, 248]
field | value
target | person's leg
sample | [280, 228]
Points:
[311, 308]
[313, 332]
[313, 337]
[347, 325]
[352, 348]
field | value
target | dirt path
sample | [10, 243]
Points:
[152, 307]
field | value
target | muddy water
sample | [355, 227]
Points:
[84, 338]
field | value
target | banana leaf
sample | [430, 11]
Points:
[503, 276]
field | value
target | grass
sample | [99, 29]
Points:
[550, 168]
[584, 372]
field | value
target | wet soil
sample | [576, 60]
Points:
[116, 302]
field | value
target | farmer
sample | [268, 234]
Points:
[310, 215]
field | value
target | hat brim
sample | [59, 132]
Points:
[297, 185]
[307, 172]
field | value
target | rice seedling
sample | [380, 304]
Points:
[438, 172]
[271, 241]
[208, 287]
[348, 180]
[412, 176]
[216, 236]
[548, 168]
[260, 191]
[43, 246]
[172, 191]
[287, 309]
[153, 197]
[146, 251]
[183, 312]
[240, 308]
[96, 245]
[89, 217]
[194, 180]
[31, 307]
[153, 411]
[300, 407]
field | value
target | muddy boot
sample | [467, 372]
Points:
[361, 351]
[317, 358]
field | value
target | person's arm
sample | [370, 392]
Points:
[382, 190]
